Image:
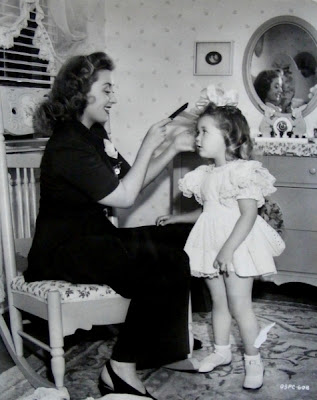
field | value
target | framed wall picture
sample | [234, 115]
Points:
[213, 58]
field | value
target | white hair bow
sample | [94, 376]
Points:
[218, 96]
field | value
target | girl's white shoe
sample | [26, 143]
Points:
[220, 356]
[254, 372]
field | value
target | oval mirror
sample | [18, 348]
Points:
[280, 65]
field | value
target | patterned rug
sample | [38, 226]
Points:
[289, 355]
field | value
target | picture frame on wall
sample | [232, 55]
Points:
[213, 58]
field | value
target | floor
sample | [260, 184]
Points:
[294, 292]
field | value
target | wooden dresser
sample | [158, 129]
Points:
[296, 182]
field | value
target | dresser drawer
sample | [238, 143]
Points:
[298, 206]
[300, 254]
[293, 170]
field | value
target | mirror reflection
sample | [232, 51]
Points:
[284, 67]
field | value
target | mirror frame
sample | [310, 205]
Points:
[248, 54]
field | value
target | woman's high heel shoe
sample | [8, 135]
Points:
[103, 388]
[119, 385]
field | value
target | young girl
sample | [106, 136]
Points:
[229, 244]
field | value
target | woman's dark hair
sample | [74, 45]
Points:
[263, 82]
[67, 99]
[235, 130]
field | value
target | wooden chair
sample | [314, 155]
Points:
[61, 304]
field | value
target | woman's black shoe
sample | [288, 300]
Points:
[119, 385]
[103, 388]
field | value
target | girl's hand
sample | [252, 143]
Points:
[224, 260]
[184, 141]
[166, 220]
[156, 134]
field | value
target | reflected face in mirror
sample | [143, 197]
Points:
[274, 95]
[290, 49]
[269, 87]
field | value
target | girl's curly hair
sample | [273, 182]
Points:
[235, 129]
[67, 99]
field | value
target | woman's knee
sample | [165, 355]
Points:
[170, 283]
[176, 281]
[177, 271]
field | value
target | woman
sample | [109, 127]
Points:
[76, 242]
[269, 87]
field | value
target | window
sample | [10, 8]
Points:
[22, 64]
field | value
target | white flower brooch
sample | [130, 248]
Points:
[110, 149]
[113, 153]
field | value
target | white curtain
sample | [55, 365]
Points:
[13, 17]
[69, 18]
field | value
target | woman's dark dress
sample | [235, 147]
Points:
[74, 241]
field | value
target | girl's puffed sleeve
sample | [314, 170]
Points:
[190, 184]
[251, 180]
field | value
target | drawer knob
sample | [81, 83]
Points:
[312, 171]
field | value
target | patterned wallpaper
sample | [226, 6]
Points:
[152, 43]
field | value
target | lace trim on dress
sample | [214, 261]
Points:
[199, 274]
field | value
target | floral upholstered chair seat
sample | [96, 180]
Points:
[69, 292]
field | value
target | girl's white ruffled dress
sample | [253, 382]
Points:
[218, 189]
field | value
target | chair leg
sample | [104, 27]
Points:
[16, 326]
[55, 326]
[35, 379]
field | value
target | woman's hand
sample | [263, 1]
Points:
[166, 220]
[184, 141]
[224, 260]
[156, 134]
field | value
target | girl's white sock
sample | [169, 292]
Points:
[223, 348]
[220, 356]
